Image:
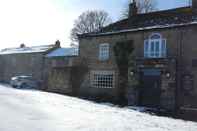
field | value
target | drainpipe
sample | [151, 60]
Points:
[179, 72]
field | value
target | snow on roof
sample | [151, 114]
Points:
[63, 52]
[144, 28]
[33, 49]
[177, 17]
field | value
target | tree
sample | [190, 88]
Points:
[89, 21]
[123, 53]
[144, 6]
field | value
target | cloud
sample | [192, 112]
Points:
[36, 22]
[31, 21]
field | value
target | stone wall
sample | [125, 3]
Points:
[59, 80]
[180, 46]
[89, 52]
[59, 72]
[22, 64]
[188, 89]
[168, 86]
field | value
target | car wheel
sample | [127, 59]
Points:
[23, 85]
[14, 86]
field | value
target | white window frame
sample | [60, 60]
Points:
[104, 51]
[150, 47]
[102, 79]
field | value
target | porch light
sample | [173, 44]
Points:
[132, 73]
[168, 74]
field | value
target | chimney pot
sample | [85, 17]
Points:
[22, 45]
[57, 44]
[132, 9]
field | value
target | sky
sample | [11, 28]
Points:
[41, 22]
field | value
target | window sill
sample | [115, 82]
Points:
[155, 57]
[108, 61]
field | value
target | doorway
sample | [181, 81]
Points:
[150, 90]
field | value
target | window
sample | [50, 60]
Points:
[155, 47]
[104, 52]
[102, 79]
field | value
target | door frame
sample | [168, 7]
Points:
[150, 72]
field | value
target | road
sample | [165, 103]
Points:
[27, 110]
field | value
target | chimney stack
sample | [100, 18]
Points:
[22, 45]
[194, 4]
[132, 9]
[57, 44]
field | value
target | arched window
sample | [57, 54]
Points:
[155, 36]
[155, 46]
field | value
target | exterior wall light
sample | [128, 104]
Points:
[168, 75]
[132, 73]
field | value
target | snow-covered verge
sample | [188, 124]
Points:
[23, 110]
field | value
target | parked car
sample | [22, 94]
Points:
[25, 82]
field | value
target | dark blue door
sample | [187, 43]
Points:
[150, 91]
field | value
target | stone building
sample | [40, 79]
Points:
[165, 56]
[58, 70]
[24, 61]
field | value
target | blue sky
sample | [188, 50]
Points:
[114, 7]
[37, 22]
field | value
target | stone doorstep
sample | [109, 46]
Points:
[146, 109]
[188, 109]
[188, 113]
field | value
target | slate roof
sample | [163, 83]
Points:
[32, 49]
[63, 52]
[159, 19]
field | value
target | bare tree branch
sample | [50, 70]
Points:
[89, 21]
[144, 6]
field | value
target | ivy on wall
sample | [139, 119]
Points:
[123, 54]
[123, 51]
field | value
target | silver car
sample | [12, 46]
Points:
[24, 82]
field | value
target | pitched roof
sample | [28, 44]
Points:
[159, 19]
[62, 52]
[33, 49]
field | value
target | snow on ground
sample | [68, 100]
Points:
[23, 110]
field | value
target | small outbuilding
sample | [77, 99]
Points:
[59, 64]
